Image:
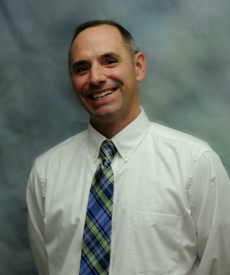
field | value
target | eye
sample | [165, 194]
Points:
[111, 61]
[81, 69]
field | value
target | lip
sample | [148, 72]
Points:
[97, 92]
[103, 100]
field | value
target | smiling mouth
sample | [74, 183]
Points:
[103, 94]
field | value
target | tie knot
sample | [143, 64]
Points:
[107, 150]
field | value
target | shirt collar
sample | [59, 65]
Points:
[126, 141]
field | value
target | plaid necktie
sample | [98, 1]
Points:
[96, 239]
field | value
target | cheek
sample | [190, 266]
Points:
[78, 86]
[116, 74]
[123, 75]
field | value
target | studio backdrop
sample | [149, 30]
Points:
[187, 86]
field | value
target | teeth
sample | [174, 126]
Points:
[103, 94]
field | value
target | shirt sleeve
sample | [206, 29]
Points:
[211, 200]
[35, 203]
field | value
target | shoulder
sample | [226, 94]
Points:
[63, 149]
[175, 138]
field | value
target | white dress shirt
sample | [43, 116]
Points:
[170, 204]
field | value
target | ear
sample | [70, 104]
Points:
[140, 66]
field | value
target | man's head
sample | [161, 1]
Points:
[104, 75]
[127, 37]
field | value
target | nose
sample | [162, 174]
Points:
[97, 75]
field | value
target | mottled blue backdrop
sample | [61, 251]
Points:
[186, 87]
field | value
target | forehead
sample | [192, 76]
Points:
[98, 40]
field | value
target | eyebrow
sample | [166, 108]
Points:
[110, 54]
[105, 55]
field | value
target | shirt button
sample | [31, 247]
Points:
[95, 156]
[126, 155]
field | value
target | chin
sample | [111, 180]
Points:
[104, 116]
[106, 112]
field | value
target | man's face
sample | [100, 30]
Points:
[103, 75]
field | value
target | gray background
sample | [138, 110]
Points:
[186, 86]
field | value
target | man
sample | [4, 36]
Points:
[168, 192]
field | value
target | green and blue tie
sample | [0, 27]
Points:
[96, 239]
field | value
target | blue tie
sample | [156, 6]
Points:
[96, 239]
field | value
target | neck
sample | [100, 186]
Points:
[109, 128]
